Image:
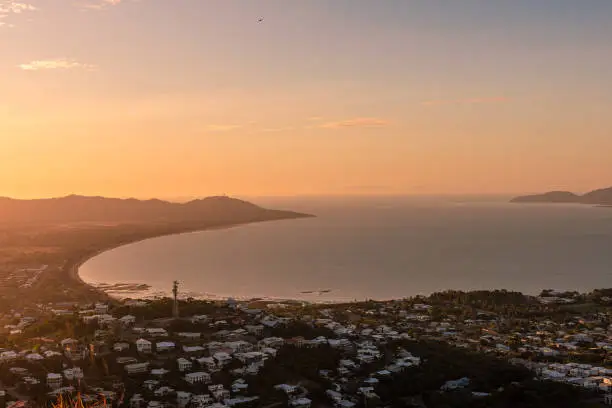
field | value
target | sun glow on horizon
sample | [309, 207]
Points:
[115, 98]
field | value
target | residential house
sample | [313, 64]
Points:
[222, 358]
[75, 373]
[164, 346]
[54, 380]
[144, 346]
[120, 347]
[184, 364]
[301, 403]
[128, 320]
[101, 308]
[137, 368]
[199, 377]
[182, 398]
[208, 362]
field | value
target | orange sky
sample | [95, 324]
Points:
[193, 97]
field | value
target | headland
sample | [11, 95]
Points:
[44, 242]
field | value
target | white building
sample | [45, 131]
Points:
[198, 377]
[75, 373]
[157, 332]
[222, 358]
[184, 364]
[182, 398]
[137, 368]
[128, 320]
[163, 346]
[54, 380]
[119, 347]
[301, 403]
[101, 308]
[144, 346]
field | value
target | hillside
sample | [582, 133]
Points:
[597, 197]
[74, 208]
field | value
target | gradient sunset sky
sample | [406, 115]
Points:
[172, 98]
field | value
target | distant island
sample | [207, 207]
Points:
[601, 197]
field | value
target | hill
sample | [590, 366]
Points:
[597, 197]
[75, 208]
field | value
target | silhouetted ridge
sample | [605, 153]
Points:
[599, 197]
[76, 208]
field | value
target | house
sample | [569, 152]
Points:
[182, 398]
[198, 377]
[269, 351]
[453, 385]
[240, 386]
[193, 349]
[190, 336]
[119, 347]
[251, 357]
[286, 388]
[202, 400]
[101, 308]
[163, 391]
[137, 368]
[128, 320]
[150, 384]
[34, 357]
[239, 346]
[137, 401]
[219, 392]
[184, 364]
[207, 362]
[68, 343]
[159, 372]
[8, 355]
[126, 360]
[237, 401]
[156, 332]
[54, 380]
[144, 346]
[301, 403]
[199, 319]
[75, 373]
[164, 346]
[255, 329]
[222, 358]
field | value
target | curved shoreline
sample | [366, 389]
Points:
[72, 267]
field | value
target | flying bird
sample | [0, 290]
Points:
[260, 20]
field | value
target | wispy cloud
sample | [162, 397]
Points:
[466, 101]
[222, 128]
[57, 64]
[102, 4]
[356, 123]
[11, 7]
[278, 129]
[16, 7]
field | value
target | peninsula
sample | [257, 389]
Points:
[602, 197]
[44, 241]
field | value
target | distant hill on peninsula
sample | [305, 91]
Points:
[76, 208]
[597, 197]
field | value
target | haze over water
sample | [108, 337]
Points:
[379, 248]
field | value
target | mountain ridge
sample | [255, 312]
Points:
[79, 208]
[602, 196]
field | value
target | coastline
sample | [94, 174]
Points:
[72, 267]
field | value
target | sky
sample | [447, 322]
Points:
[168, 98]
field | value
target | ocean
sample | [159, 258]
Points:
[375, 248]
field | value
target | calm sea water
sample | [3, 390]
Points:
[377, 248]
